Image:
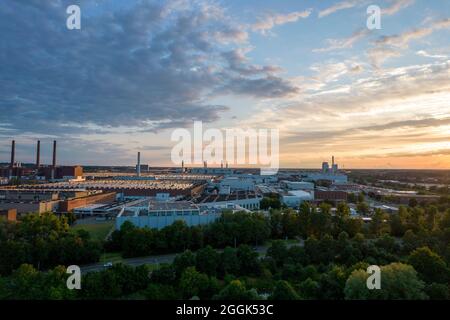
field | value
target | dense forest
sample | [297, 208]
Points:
[326, 258]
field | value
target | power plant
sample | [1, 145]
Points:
[39, 172]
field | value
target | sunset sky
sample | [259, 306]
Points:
[137, 70]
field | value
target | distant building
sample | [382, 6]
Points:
[330, 195]
[161, 214]
[294, 198]
[100, 198]
[8, 214]
[298, 185]
[61, 173]
[246, 199]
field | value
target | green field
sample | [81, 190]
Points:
[97, 230]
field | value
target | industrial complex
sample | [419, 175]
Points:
[156, 198]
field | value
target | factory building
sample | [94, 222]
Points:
[246, 199]
[327, 174]
[22, 207]
[97, 199]
[294, 198]
[29, 200]
[330, 195]
[132, 188]
[158, 215]
[48, 172]
[297, 185]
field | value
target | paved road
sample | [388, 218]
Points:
[165, 258]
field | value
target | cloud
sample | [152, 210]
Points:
[335, 44]
[409, 154]
[426, 54]
[238, 62]
[148, 66]
[397, 6]
[270, 21]
[391, 10]
[362, 131]
[339, 6]
[390, 46]
[377, 113]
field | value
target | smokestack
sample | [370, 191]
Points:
[138, 167]
[54, 160]
[54, 154]
[38, 154]
[182, 166]
[13, 153]
[332, 161]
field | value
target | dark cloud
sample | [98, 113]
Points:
[148, 65]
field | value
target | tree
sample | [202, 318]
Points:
[309, 289]
[249, 263]
[397, 224]
[377, 225]
[430, 266]
[284, 291]
[271, 202]
[160, 292]
[412, 202]
[398, 282]
[229, 262]
[176, 236]
[361, 197]
[193, 283]
[362, 208]
[431, 215]
[438, 291]
[207, 260]
[304, 219]
[236, 290]
[183, 261]
[321, 222]
[278, 251]
[332, 283]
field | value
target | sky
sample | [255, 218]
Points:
[138, 70]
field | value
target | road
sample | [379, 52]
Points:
[164, 258]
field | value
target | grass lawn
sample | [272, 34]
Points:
[98, 231]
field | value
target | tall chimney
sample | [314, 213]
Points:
[54, 160]
[54, 154]
[138, 167]
[332, 161]
[38, 154]
[13, 153]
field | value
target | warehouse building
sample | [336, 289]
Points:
[158, 215]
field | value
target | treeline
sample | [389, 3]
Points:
[321, 269]
[421, 226]
[229, 230]
[411, 246]
[44, 241]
